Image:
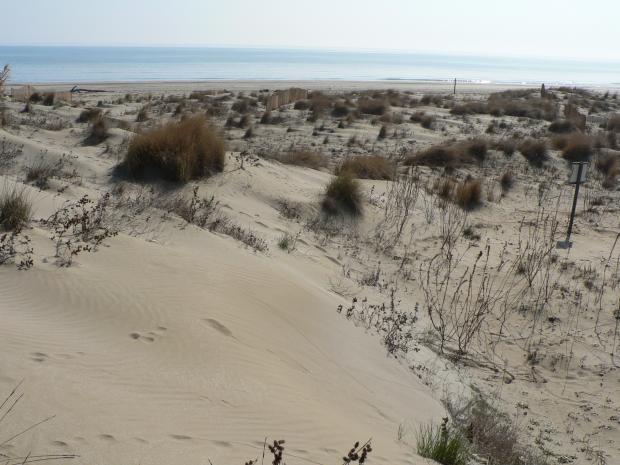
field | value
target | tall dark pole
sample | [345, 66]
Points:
[454, 86]
[572, 213]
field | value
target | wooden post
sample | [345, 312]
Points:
[566, 244]
[454, 86]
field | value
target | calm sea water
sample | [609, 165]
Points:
[96, 64]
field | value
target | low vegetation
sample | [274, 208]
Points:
[303, 157]
[368, 167]
[176, 151]
[343, 196]
[443, 444]
[535, 151]
[15, 208]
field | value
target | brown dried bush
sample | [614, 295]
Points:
[367, 167]
[176, 151]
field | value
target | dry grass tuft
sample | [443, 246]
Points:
[468, 194]
[437, 155]
[303, 157]
[15, 208]
[343, 196]
[372, 106]
[506, 181]
[98, 131]
[176, 151]
[613, 124]
[367, 167]
[578, 147]
[534, 150]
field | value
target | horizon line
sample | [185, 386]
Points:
[321, 49]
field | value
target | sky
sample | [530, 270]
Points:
[528, 28]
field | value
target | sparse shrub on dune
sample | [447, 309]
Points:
[426, 121]
[15, 208]
[578, 147]
[142, 115]
[609, 166]
[88, 115]
[303, 157]
[468, 194]
[613, 123]
[506, 181]
[301, 105]
[451, 156]
[534, 150]
[176, 151]
[468, 108]
[367, 167]
[507, 146]
[341, 109]
[444, 444]
[436, 155]
[343, 196]
[382, 132]
[476, 148]
[97, 132]
[561, 126]
[372, 106]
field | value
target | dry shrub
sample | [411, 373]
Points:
[382, 132]
[609, 166]
[88, 115]
[176, 151]
[430, 99]
[561, 126]
[341, 109]
[367, 167]
[468, 194]
[143, 114]
[15, 208]
[506, 181]
[436, 155]
[301, 105]
[444, 188]
[451, 156]
[613, 123]
[468, 108]
[426, 121]
[343, 196]
[98, 131]
[507, 146]
[521, 103]
[534, 150]
[578, 147]
[303, 157]
[319, 103]
[476, 148]
[372, 106]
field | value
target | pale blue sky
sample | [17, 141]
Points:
[552, 28]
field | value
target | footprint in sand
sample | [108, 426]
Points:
[223, 443]
[39, 357]
[181, 437]
[60, 444]
[149, 336]
[107, 437]
[218, 326]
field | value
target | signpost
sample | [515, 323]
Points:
[577, 177]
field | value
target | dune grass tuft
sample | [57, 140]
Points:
[443, 444]
[176, 151]
[15, 208]
[343, 196]
[367, 167]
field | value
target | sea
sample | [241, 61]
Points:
[64, 64]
